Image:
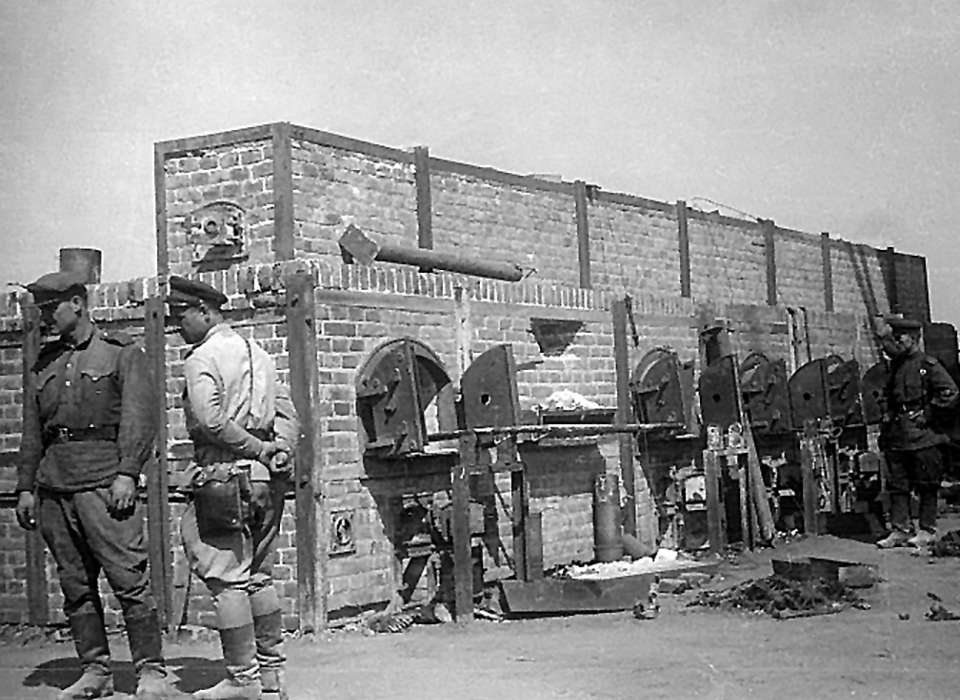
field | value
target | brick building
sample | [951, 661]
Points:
[281, 195]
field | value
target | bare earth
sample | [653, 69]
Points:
[684, 653]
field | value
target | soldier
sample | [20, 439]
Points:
[917, 390]
[244, 429]
[86, 436]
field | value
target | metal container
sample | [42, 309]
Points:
[84, 260]
[607, 519]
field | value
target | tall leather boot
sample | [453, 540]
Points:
[153, 682]
[90, 640]
[268, 625]
[239, 643]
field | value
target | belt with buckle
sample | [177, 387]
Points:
[60, 433]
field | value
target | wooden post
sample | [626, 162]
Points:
[624, 409]
[583, 232]
[519, 509]
[809, 465]
[462, 558]
[770, 251]
[160, 214]
[893, 288]
[743, 485]
[312, 536]
[684, 245]
[827, 261]
[283, 229]
[716, 516]
[421, 164]
[158, 478]
[38, 612]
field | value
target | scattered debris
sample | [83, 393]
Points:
[389, 622]
[947, 546]
[938, 613]
[666, 561]
[782, 597]
[648, 609]
[564, 399]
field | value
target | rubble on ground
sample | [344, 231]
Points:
[781, 597]
[947, 546]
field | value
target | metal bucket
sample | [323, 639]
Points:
[86, 261]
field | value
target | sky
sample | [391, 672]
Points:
[823, 116]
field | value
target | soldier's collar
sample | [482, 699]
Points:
[82, 341]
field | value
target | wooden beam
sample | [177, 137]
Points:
[283, 228]
[621, 358]
[683, 235]
[421, 160]
[311, 537]
[38, 611]
[893, 289]
[827, 262]
[158, 478]
[583, 232]
[770, 252]
[160, 214]
[460, 502]
[179, 147]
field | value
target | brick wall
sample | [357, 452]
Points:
[194, 175]
[486, 214]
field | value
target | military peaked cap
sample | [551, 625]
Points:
[64, 284]
[184, 292]
[898, 323]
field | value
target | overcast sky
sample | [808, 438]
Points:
[824, 116]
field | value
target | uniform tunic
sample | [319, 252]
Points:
[232, 390]
[91, 419]
[918, 387]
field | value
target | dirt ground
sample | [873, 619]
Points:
[888, 651]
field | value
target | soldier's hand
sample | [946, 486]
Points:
[123, 494]
[280, 462]
[27, 510]
[267, 451]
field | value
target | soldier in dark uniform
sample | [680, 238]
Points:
[918, 389]
[86, 436]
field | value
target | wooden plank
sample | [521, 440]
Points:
[621, 357]
[770, 255]
[583, 232]
[311, 538]
[893, 288]
[827, 264]
[37, 605]
[179, 147]
[483, 173]
[160, 215]
[716, 516]
[346, 143]
[808, 467]
[683, 240]
[460, 502]
[158, 479]
[519, 508]
[533, 550]
[421, 160]
[283, 228]
[551, 595]
[746, 535]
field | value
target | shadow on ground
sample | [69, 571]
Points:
[189, 673]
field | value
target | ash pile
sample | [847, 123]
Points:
[782, 597]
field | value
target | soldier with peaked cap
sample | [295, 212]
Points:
[918, 388]
[244, 430]
[87, 432]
